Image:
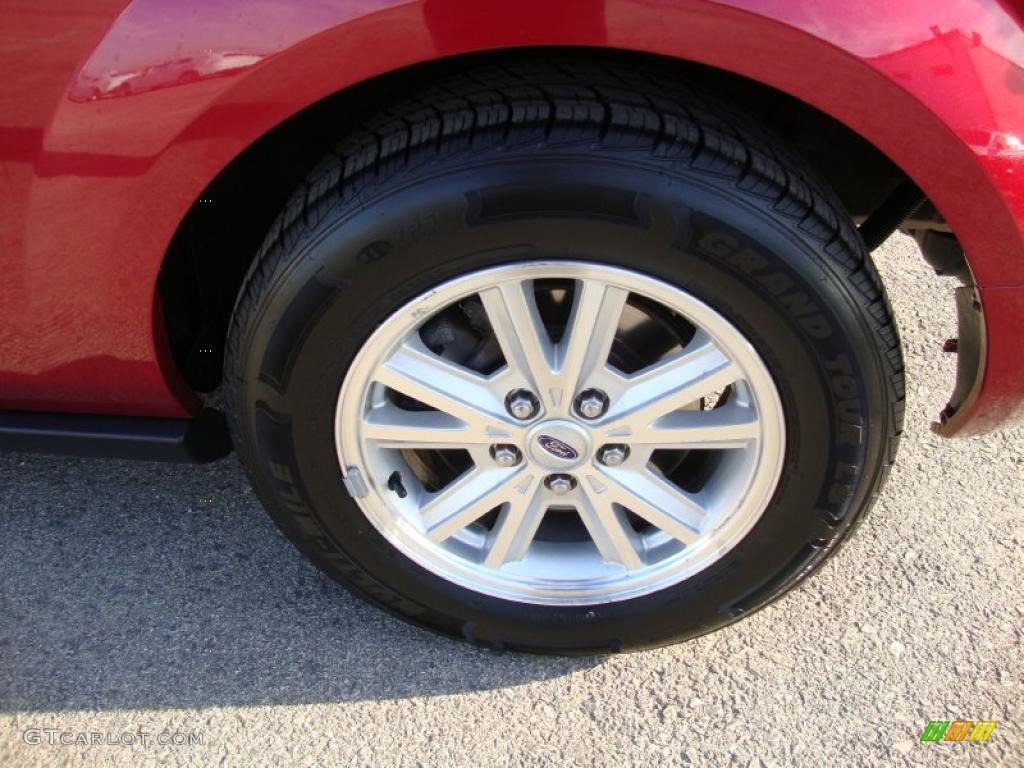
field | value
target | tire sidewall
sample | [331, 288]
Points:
[771, 280]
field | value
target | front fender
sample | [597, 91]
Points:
[173, 92]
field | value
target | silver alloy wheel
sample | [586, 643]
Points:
[700, 426]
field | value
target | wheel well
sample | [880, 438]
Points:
[216, 241]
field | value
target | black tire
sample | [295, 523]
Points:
[665, 182]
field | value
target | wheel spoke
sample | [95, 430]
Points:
[718, 429]
[397, 428]
[666, 386]
[465, 500]
[517, 523]
[587, 341]
[417, 372]
[657, 501]
[517, 325]
[610, 529]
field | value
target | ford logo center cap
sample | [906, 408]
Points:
[557, 448]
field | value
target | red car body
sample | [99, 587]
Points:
[115, 116]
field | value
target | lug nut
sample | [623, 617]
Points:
[521, 404]
[613, 455]
[505, 455]
[591, 403]
[559, 484]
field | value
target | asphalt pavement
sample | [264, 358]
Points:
[160, 602]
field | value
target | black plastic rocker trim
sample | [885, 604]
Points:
[202, 439]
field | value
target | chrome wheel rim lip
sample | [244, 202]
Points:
[554, 573]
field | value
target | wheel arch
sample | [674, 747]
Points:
[220, 234]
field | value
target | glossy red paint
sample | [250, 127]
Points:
[116, 116]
